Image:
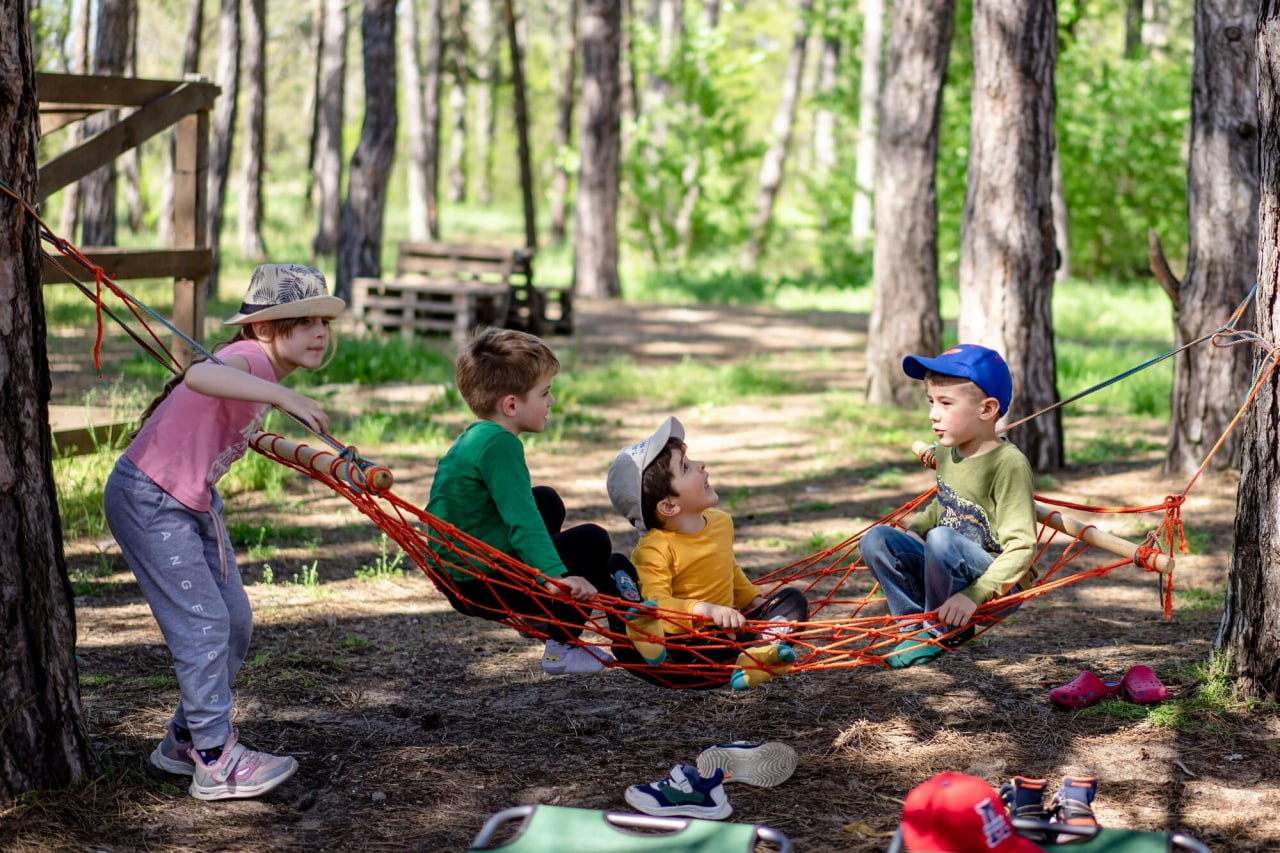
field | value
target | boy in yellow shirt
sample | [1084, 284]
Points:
[685, 564]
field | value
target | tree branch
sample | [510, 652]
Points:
[1160, 268]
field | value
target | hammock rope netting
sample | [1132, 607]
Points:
[848, 625]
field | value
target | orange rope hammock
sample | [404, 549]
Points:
[846, 628]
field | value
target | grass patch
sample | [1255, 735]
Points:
[80, 480]
[1196, 600]
[688, 383]
[386, 565]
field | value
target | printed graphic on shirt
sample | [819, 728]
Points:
[966, 518]
[224, 459]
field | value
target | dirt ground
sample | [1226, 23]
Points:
[413, 724]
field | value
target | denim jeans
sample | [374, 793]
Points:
[917, 577]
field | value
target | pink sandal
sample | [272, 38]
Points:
[1084, 690]
[1141, 686]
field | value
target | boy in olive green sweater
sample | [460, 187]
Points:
[976, 540]
[482, 487]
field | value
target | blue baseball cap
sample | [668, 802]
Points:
[982, 366]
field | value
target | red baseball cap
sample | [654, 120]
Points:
[955, 813]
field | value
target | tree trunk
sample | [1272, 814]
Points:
[1132, 29]
[1006, 232]
[328, 168]
[224, 130]
[79, 64]
[414, 120]
[1248, 634]
[1155, 26]
[710, 14]
[311, 196]
[44, 743]
[130, 161]
[431, 103]
[1061, 221]
[861, 226]
[630, 72]
[190, 65]
[485, 95]
[1222, 249]
[522, 123]
[458, 103]
[824, 116]
[255, 127]
[360, 240]
[595, 222]
[775, 159]
[98, 190]
[566, 87]
[904, 314]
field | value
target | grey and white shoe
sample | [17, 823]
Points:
[762, 764]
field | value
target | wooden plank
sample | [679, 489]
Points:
[190, 186]
[78, 430]
[104, 90]
[128, 264]
[459, 251]
[52, 120]
[128, 133]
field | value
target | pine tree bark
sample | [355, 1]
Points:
[595, 222]
[485, 95]
[861, 225]
[360, 237]
[566, 95]
[775, 158]
[190, 65]
[1006, 232]
[255, 129]
[414, 120]
[43, 739]
[1249, 632]
[311, 195]
[1222, 252]
[459, 68]
[520, 108]
[224, 130]
[78, 64]
[98, 190]
[431, 101]
[327, 175]
[904, 316]
[824, 115]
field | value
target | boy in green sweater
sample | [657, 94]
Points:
[976, 540]
[482, 487]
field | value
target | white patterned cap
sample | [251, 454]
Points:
[627, 471]
[286, 291]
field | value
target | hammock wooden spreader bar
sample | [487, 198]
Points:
[374, 478]
[1108, 542]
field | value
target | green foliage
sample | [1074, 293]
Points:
[80, 481]
[386, 565]
[381, 359]
[687, 383]
[697, 139]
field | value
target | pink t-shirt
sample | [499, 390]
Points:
[191, 439]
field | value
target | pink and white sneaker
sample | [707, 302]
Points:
[239, 772]
[173, 755]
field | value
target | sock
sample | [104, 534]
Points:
[182, 734]
[919, 648]
[758, 665]
[210, 756]
[641, 630]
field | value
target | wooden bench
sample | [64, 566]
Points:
[453, 287]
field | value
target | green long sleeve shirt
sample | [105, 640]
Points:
[990, 500]
[482, 487]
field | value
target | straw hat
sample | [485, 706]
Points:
[285, 291]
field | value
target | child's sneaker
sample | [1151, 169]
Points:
[238, 773]
[761, 764]
[564, 659]
[1024, 798]
[1073, 804]
[683, 793]
[173, 755]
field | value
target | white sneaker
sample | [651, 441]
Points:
[564, 659]
[762, 764]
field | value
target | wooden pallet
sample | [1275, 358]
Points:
[412, 307]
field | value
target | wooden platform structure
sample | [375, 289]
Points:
[156, 105]
[454, 287]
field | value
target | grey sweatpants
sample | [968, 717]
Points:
[185, 564]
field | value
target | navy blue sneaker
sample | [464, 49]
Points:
[682, 793]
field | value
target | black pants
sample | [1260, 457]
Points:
[585, 551]
[700, 661]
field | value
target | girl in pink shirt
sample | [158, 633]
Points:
[166, 515]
